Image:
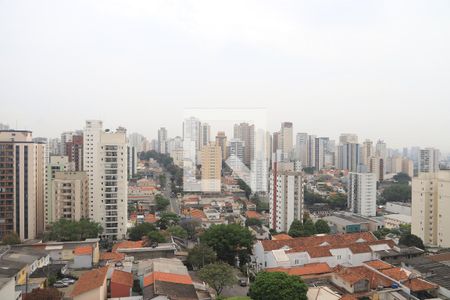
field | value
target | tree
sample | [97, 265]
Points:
[178, 231]
[156, 236]
[253, 222]
[337, 200]
[381, 233]
[168, 219]
[44, 294]
[201, 255]
[277, 285]
[296, 229]
[217, 275]
[162, 180]
[67, 230]
[192, 226]
[161, 203]
[11, 238]
[137, 232]
[402, 177]
[308, 227]
[229, 241]
[322, 226]
[411, 240]
[397, 192]
[244, 186]
[311, 198]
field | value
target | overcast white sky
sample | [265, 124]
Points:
[378, 68]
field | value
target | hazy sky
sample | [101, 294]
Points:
[378, 68]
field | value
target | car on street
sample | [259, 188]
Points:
[243, 282]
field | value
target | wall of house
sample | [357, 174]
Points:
[8, 290]
[119, 290]
[82, 262]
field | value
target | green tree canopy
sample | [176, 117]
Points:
[229, 241]
[161, 202]
[397, 192]
[156, 236]
[178, 231]
[192, 227]
[137, 232]
[201, 255]
[218, 275]
[296, 229]
[411, 240]
[276, 286]
[66, 230]
[402, 177]
[11, 238]
[309, 228]
[322, 226]
[309, 170]
[167, 219]
[253, 222]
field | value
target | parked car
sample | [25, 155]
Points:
[60, 284]
[68, 280]
[243, 282]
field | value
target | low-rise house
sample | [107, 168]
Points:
[349, 249]
[139, 250]
[121, 284]
[168, 278]
[360, 279]
[82, 257]
[91, 285]
[260, 232]
[394, 221]
[313, 270]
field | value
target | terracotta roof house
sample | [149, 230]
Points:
[121, 284]
[308, 270]
[91, 285]
[82, 257]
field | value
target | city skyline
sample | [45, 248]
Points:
[372, 69]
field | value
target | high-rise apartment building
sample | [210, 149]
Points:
[276, 142]
[246, 133]
[366, 152]
[430, 206]
[301, 147]
[56, 164]
[381, 149]
[22, 172]
[429, 160]
[408, 167]
[286, 198]
[286, 140]
[191, 141]
[70, 195]
[348, 157]
[132, 159]
[74, 151]
[221, 141]
[211, 158]
[362, 194]
[105, 162]
[162, 140]
[377, 166]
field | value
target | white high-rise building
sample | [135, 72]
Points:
[381, 149]
[301, 147]
[191, 141]
[362, 194]
[348, 138]
[311, 151]
[246, 133]
[429, 160]
[430, 207]
[285, 199]
[137, 141]
[105, 163]
[286, 140]
[366, 152]
[132, 160]
[162, 140]
[348, 157]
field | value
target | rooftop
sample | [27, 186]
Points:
[308, 269]
[89, 281]
[82, 250]
[122, 277]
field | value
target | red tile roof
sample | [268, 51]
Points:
[356, 274]
[114, 256]
[167, 277]
[253, 214]
[332, 240]
[308, 269]
[378, 264]
[418, 285]
[122, 277]
[127, 245]
[281, 237]
[197, 214]
[82, 250]
[89, 281]
[397, 274]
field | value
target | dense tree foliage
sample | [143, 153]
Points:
[137, 232]
[322, 226]
[276, 286]
[201, 255]
[156, 236]
[229, 241]
[161, 202]
[192, 227]
[335, 200]
[66, 230]
[253, 222]
[167, 163]
[309, 170]
[411, 240]
[244, 186]
[397, 192]
[402, 178]
[11, 238]
[167, 219]
[218, 275]
[178, 231]
[296, 229]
